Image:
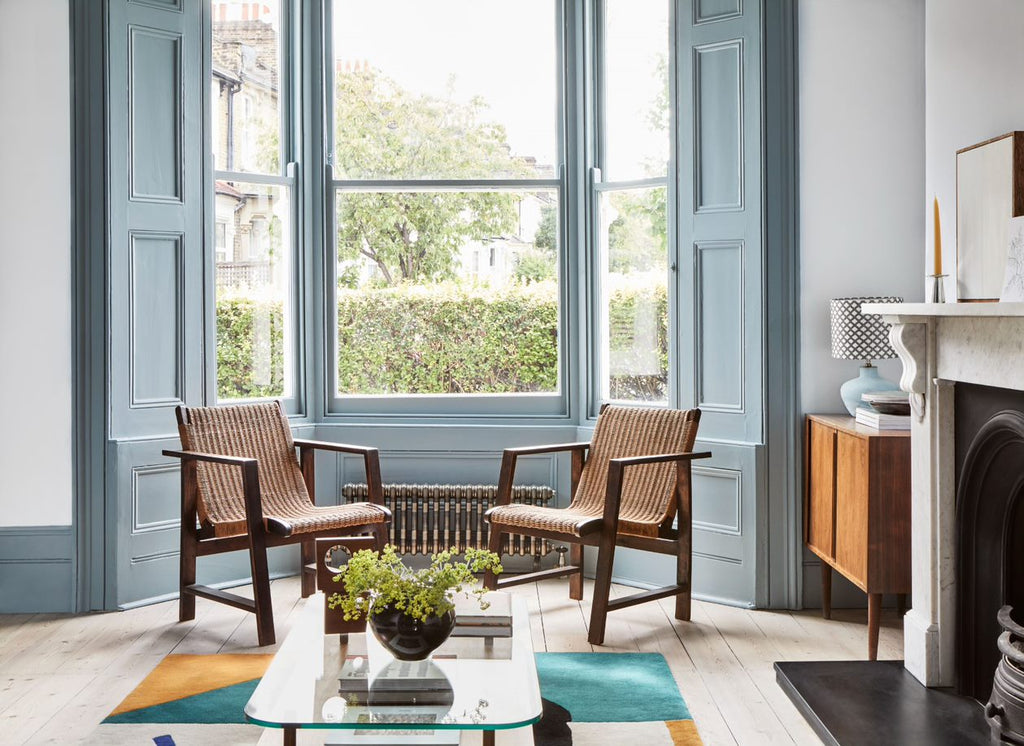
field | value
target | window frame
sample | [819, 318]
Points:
[597, 311]
[290, 143]
[528, 406]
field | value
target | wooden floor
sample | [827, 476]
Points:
[60, 675]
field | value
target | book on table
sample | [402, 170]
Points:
[497, 615]
[880, 421]
[399, 682]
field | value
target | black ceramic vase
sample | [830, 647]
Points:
[410, 639]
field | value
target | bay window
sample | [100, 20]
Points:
[460, 245]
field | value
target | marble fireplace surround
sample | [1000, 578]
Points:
[939, 345]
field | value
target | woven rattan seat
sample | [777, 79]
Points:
[629, 490]
[244, 488]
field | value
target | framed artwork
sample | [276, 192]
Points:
[989, 191]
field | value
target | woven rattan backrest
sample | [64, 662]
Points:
[647, 491]
[257, 431]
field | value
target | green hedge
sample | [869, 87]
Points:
[448, 340]
[250, 348]
[442, 340]
[648, 383]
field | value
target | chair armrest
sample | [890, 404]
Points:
[508, 465]
[213, 458]
[371, 464]
[616, 471]
[553, 448]
[323, 445]
[250, 481]
[660, 458]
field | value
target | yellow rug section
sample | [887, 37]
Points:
[684, 733]
[180, 676]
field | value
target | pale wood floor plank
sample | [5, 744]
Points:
[286, 594]
[749, 717]
[565, 622]
[49, 695]
[13, 688]
[215, 623]
[753, 649]
[10, 624]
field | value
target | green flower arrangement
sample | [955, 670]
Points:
[374, 581]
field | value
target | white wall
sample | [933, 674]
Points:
[862, 164]
[863, 203]
[35, 264]
[975, 91]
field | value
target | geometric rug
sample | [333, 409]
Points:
[589, 699]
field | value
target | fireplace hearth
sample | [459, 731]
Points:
[855, 703]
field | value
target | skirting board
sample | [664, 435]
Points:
[37, 569]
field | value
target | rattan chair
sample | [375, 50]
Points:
[633, 484]
[242, 488]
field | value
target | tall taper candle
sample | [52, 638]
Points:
[938, 240]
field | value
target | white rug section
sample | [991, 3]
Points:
[184, 734]
[604, 734]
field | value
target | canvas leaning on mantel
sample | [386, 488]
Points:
[989, 192]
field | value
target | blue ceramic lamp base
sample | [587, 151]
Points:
[867, 381]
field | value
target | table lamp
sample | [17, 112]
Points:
[858, 336]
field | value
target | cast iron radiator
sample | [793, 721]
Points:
[428, 518]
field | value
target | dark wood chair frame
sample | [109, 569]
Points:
[602, 532]
[261, 532]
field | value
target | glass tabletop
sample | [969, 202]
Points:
[469, 683]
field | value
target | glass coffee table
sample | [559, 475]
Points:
[357, 689]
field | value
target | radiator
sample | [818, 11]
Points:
[428, 518]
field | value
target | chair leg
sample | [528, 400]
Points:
[261, 589]
[381, 532]
[494, 544]
[602, 589]
[309, 558]
[684, 573]
[576, 579]
[188, 543]
[186, 577]
[684, 541]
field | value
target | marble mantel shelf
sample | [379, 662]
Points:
[979, 343]
[965, 310]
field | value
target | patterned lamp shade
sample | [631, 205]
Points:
[858, 336]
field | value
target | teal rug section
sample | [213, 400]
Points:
[593, 687]
[219, 706]
[611, 687]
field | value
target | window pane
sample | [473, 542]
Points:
[447, 292]
[245, 95]
[636, 89]
[253, 274]
[452, 89]
[634, 295]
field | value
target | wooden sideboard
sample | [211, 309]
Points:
[857, 510]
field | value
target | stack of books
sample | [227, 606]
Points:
[411, 683]
[880, 421]
[494, 621]
[398, 683]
